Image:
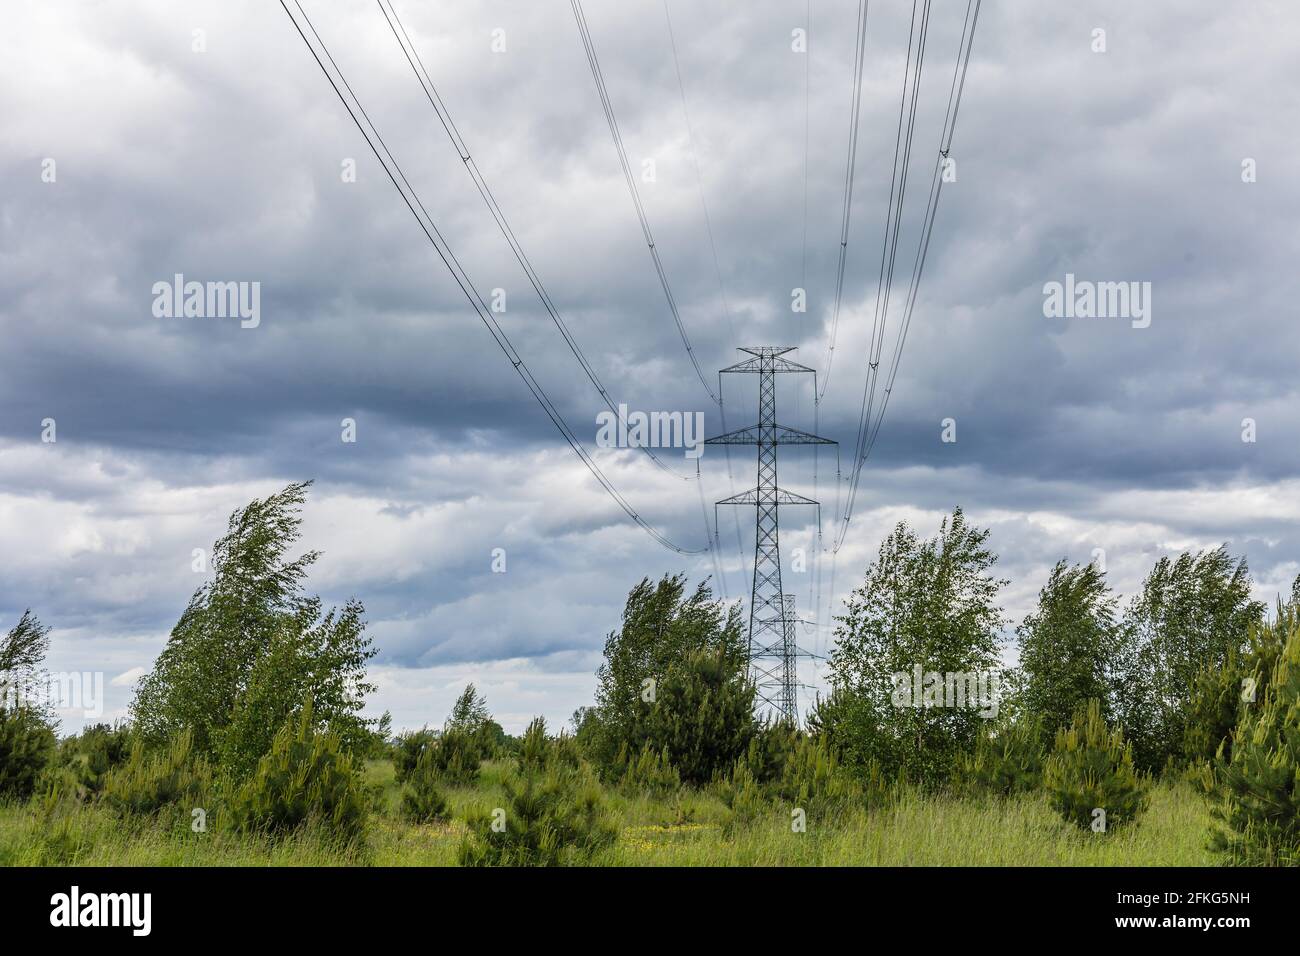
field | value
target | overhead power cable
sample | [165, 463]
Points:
[867, 437]
[608, 107]
[430, 229]
[717, 267]
[430, 91]
[849, 175]
[909, 97]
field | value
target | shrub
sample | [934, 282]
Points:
[409, 748]
[457, 755]
[423, 800]
[1008, 759]
[703, 715]
[650, 772]
[1090, 769]
[771, 749]
[26, 746]
[537, 750]
[150, 781]
[744, 797]
[306, 778]
[813, 779]
[1261, 779]
[554, 811]
[98, 750]
[554, 815]
[1222, 691]
[534, 746]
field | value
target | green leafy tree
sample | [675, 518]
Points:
[27, 738]
[26, 747]
[1193, 613]
[22, 656]
[470, 712]
[1260, 776]
[1067, 645]
[662, 626]
[930, 604]
[1090, 775]
[251, 645]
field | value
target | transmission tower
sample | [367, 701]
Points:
[772, 648]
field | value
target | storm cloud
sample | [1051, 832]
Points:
[148, 139]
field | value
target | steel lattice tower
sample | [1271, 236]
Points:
[771, 613]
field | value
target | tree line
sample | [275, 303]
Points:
[254, 712]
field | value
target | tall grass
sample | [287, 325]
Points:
[685, 829]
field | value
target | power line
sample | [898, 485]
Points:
[771, 611]
[932, 206]
[430, 90]
[889, 243]
[850, 165]
[849, 174]
[893, 220]
[608, 107]
[807, 116]
[448, 257]
[713, 248]
[867, 439]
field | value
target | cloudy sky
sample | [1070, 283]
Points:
[145, 139]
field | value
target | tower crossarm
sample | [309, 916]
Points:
[780, 435]
[783, 497]
[767, 360]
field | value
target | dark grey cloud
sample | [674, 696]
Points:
[225, 165]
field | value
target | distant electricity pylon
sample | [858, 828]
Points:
[772, 648]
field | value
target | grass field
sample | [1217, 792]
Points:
[687, 830]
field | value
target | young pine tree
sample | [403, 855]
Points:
[702, 716]
[1008, 758]
[306, 778]
[1090, 775]
[553, 811]
[1260, 777]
